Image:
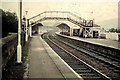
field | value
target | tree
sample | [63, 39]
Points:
[9, 22]
[114, 30]
[118, 31]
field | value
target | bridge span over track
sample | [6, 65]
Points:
[63, 16]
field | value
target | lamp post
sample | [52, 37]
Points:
[92, 16]
[26, 30]
[19, 48]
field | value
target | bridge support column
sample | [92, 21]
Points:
[26, 30]
[39, 29]
[30, 30]
[71, 32]
[80, 31]
[85, 33]
[26, 37]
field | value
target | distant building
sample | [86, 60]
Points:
[110, 35]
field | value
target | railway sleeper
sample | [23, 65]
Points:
[82, 68]
[93, 78]
[79, 66]
[83, 71]
[88, 74]
[117, 71]
[73, 62]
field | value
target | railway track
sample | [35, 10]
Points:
[99, 56]
[105, 58]
[85, 70]
[110, 62]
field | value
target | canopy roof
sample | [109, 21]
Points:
[95, 25]
[63, 26]
[67, 25]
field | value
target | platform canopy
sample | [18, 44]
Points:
[67, 25]
[95, 25]
[63, 26]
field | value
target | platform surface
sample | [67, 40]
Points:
[45, 63]
[104, 42]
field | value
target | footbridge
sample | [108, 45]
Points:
[61, 15]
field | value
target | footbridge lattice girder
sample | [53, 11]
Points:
[62, 16]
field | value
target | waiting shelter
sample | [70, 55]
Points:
[68, 28]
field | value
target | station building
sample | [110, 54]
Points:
[92, 32]
[110, 35]
[71, 29]
[68, 28]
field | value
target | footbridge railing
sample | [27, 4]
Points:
[61, 15]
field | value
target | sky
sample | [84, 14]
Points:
[103, 11]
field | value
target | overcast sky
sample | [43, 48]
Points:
[102, 9]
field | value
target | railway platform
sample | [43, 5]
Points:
[45, 63]
[103, 42]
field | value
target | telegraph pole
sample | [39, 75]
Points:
[19, 48]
